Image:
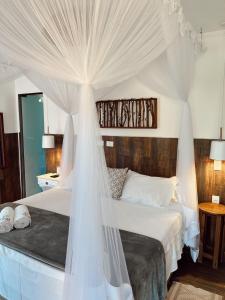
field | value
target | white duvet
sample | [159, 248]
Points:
[24, 278]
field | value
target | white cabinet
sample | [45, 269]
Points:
[48, 181]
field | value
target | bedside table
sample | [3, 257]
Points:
[216, 211]
[47, 182]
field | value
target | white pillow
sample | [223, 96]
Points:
[147, 190]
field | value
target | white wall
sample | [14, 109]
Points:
[8, 106]
[205, 99]
[207, 91]
[54, 117]
[169, 111]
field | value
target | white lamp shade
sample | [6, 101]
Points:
[217, 150]
[48, 141]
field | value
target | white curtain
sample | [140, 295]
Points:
[83, 41]
[172, 74]
[182, 51]
[99, 266]
[92, 44]
[64, 95]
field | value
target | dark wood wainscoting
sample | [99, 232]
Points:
[156, 157]
[53, 156]
[149, 156]
[10, 176]
[210, 182]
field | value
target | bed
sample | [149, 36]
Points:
[34, 277]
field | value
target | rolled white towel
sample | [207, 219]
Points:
[6, 219]
[22, 217]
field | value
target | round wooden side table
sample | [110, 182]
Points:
[216, 211]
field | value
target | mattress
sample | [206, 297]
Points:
[21, 275]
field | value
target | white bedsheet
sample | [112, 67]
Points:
[163, 224]
[23, 278]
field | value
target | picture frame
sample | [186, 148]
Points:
[128, 113]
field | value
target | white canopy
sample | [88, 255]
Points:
[72, 48]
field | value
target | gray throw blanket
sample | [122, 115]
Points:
[145, 256]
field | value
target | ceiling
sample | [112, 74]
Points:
[208, 14]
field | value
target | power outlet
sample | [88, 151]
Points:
[215, 199]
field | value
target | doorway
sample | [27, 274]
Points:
[32, 156]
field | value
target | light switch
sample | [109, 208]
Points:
[109, 144]
[215, 199]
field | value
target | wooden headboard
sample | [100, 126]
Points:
[145, 155]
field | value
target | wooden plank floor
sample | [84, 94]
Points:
[200, 275]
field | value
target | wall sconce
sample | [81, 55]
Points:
[217, 152]
[48, 141]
